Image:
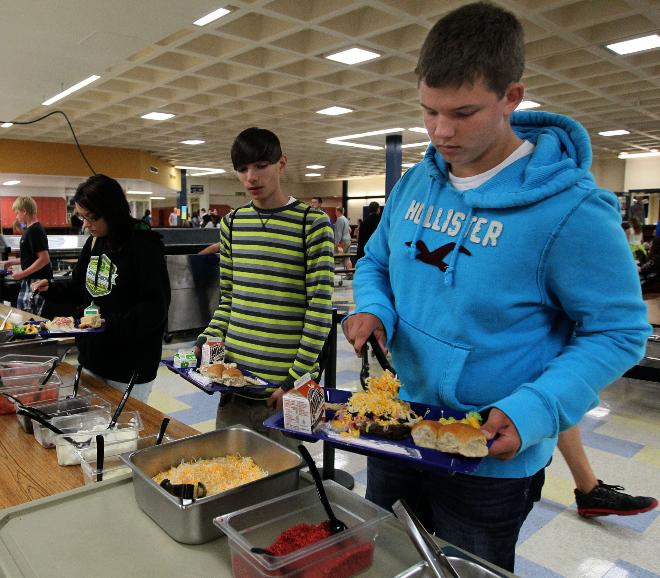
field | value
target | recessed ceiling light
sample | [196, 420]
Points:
[157, 198]
[6, 124]
[527, 104]
[345, 143]
[343, 140]
[10, 183]
[315, 167]
[193, 141]
[408, 165]
[312, 174]
[418, 129]
[651, 153]
[636, 44]
[157, 116]
[353, 56]
[68, 91]
[618, 132]
[334, 110]
[416, 144]
[211, 16]
[139, 193]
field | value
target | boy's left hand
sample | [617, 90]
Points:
[275, 399]
[502, 429]
[18, 275]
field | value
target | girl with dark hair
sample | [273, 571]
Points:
[122, 270]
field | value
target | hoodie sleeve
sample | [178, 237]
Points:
[71, 291]
[371, 284]
[587, 271]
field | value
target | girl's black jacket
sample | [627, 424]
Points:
[131, 287]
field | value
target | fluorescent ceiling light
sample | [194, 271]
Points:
[157, 198]
[157, 116]
[211, 16]
[353, 56]
[416, 144]
[636, 44]
[353, 144]
[334, 110]
[193, 141]
[139, 193]
[312, 174]
[408, 165]
[652, 153]
[10, 183]
[418, 129]
[6, 124]
[68, 91]
[618, 132]
[315, 167]
[527, 104]
[201, 171]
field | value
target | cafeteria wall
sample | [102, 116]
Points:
[642, 174]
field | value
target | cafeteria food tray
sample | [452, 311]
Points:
[207, 386]
[99, 530]
[369, 445]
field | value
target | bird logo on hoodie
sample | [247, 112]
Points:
[436, 257]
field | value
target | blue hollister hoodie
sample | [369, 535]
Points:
[520, 294]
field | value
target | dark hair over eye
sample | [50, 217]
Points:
[254, 145]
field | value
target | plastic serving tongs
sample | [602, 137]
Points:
[380, 356]
[436, 560]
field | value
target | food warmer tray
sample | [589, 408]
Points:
[213, 387]
[99, 530]
[370, 445]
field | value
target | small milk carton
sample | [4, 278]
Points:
[91, 309]
[184, 359]
[303, 405]
[213, 351]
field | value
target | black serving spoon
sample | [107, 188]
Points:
[100, 457]
[45, 380]
[336, 525]
[122, 403]
[161, 432]
[76, 380]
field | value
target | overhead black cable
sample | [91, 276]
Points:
[70, 126]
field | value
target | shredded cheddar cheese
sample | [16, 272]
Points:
[217, 474]
[472, 419]
[386, 383]
[377, 402]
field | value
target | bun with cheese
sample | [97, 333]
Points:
[214, 371]
[90, 322]
[227, 374]
[233, 376]
[453, 438]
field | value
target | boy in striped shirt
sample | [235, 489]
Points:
[276, 273]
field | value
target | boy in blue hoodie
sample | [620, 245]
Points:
[511, 312]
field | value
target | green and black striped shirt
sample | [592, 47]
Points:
[275, 308]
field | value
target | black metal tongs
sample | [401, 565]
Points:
[380, 356]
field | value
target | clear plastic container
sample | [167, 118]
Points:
[54, 389]
[82, 429]
[341, 555]
[13, 365]
[65, 406]
[113, 465]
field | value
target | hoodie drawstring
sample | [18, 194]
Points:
[412, 252]
[451, 267]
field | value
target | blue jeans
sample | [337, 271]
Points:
[480, 515]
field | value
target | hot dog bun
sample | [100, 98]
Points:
[453, 438]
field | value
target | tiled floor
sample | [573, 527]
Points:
[622, 437]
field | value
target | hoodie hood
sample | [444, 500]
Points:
[561, 159]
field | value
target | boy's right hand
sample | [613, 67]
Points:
[358, 328]
[40, 286]
[197, 350]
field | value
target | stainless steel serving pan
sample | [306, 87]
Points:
[193, 523]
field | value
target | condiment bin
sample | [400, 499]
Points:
[340, 555]
[113, 465]
[83, 428]
[13, 365]
[192, 523]
[31, 390]
[84, 402]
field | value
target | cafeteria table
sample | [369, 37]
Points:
[28, 471]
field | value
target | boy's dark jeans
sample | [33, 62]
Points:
[480, 515]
